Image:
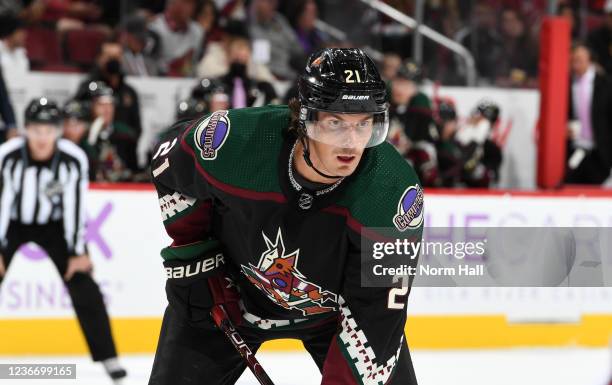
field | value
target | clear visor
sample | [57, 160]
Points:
[348, 130]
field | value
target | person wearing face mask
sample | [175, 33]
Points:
[109, 70]
[244, 90]
[216, 60]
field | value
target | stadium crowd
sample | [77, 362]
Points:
[240, 49]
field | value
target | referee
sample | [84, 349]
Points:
[43, 182]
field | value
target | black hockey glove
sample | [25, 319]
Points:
[193, 287]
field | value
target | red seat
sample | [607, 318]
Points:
[83, 45]
[43, 46]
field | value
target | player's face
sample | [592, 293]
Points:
[41, 139]
[341, 141]
[104, 107]
[74, 130]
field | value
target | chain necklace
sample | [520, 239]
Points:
[297, 186]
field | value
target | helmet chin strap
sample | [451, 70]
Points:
[309, 162]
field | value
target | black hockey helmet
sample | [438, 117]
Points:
[410, 70]
[77, 109]
[43, 110]
[342, 81]
[446, 110]
[206, 88]
[99, 89]
[191, 108]
[489, 110]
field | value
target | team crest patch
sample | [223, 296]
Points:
[210, 135]
[277, 276]
[410, 209]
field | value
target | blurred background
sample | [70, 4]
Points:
[503, 107]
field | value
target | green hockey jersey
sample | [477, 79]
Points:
[223, 181]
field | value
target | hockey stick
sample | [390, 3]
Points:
[223, 322]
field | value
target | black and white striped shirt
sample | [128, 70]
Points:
[34, 192]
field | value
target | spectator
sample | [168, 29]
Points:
[517, 64]
[8, 127]
[234, 10]
[74, 14]
[111, 144]
[216, 62]
[139, 47]
[11, 6]
[208, 18]
[570, 13]
[481, 38]
[13, 56]
[181, 38]
[600, 40]
[108, 70]
[302, 15]
[590, 135]
[244, 90]
[149, 8]
[276, 42]
[30, 11]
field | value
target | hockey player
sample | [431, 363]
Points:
[43, 188]
[273, 202]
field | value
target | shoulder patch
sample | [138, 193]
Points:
[211, 133]
[409, 209]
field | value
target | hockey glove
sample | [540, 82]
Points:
[193, 287]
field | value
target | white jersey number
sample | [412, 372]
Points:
[394, 293]
[163, 150]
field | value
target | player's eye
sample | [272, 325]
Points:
[334, 124]
[363, 125]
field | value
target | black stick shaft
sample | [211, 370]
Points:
[223, 322]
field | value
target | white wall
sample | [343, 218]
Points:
[126, 234]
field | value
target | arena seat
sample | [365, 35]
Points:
[83, 45]
[43, 47]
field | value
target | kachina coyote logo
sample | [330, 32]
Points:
[410, 209]
[211, 134]
[277, 276]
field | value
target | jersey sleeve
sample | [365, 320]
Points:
[367, 348]
[75, 194]
[203, 161]
[7, 191]
[183, 193]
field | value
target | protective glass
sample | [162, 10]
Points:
[347, 130]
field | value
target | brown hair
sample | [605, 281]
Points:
[294, 117]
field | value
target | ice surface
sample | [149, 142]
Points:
[569, 366]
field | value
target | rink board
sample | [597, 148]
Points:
[125, 235]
